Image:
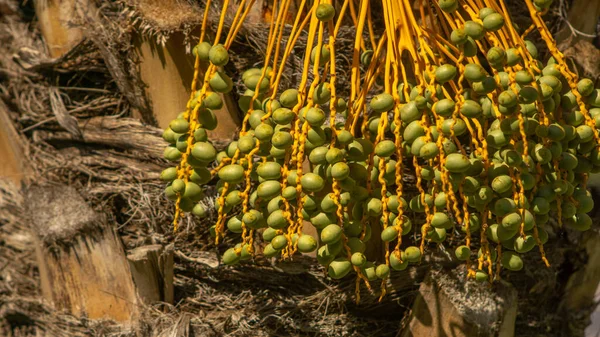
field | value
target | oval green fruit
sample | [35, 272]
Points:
[382, 103]
[542, 4]
[200, 135]
[580, 222]
[511, 261]
[234, 224]
[513, 57]
[502, 183]
[202, 50]
[257, 82]
[540, 205]
[585, 133]
[318, 155]
[244, 103]
[485, 11]
[437, 235]
[340, 171]
[493, 22]
[233, 198]
[251, 72]
[218, 55]
[512, 221]
[232, 173]
[471, 109]
[356, 245]
[230, 257]
[186, 205]
[448, 6]
[469, 49]
[366, 57]
[444, 107]
[289, 98]
[289, 193]
[168, 174]
[339, 268]
[385, 148]
[457, 163]
[170, 193]
[246, 143]
[269, 170]
[410, 112]
[207, 119]
[585, 203]
[585, 87]
[412, 254]
[507, 99]
[441, 220]
[170, 136]
[358, 259]
[268, 189]
[322, 93]
[193, 191]
[322, 220]
[178, 185]
[315, 117]
[374, 207]
[496, 56]
[306, 243]
[474, 30]
[328, 204]
[323, 57]
[279, 242]
[213, 101]
[252, 218]
[326, 255]
[481, 276]
[389, 234]
[382, 271]
[331, 234]
[429, 151]
[179, 125]
[263, 132]
[474, 72]
[456, 126]
[416, 204]
[200, 211]
[277, 220]
[396, 264]
[325, 12]
[312, 182]
[523, 245]
[269, 251]
[568, 161]
[462, 253]
[220, 82]
[445, 73]
[458, 36]
[283, 116]
[334, 155]
[282, 140]
[413, 131]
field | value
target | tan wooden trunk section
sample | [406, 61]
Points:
[54, 16]
[90, 279]
[168, 71]
[583, 16]
[13, 166]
